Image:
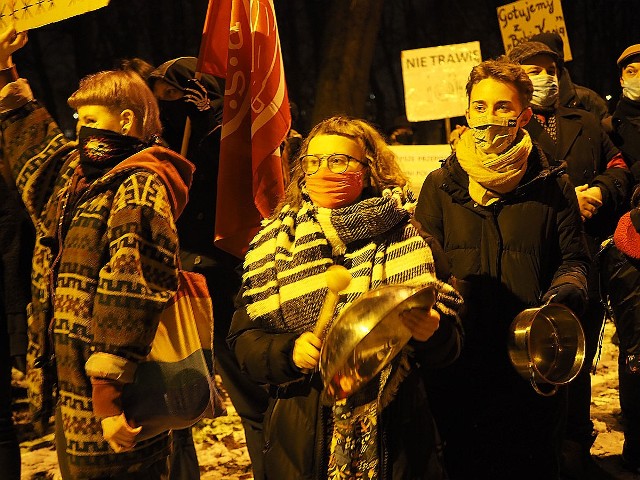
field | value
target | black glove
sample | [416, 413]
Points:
[196, 95]
[568, 295]
[200, 105]
[633, 364]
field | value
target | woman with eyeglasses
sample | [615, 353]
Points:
[346, 205]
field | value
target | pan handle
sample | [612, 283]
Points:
[536, 387]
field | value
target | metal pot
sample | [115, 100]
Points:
[366, 336]
[547, 346]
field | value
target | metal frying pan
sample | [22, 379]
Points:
[367, 336]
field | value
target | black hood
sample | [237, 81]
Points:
[179, 71]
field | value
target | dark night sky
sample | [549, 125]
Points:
[157, 30]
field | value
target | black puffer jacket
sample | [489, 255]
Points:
[620, 289]
[509, 254]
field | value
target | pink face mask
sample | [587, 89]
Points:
[334, 190]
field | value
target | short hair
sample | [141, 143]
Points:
[119, 90]
[137, 65]
[384, 171]
[504, 71]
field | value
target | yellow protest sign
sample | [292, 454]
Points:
[434, 80]
[520, 20]
[29, 14]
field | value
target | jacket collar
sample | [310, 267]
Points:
[568, 130]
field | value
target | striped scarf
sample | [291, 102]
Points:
[285, 265]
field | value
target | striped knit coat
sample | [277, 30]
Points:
[114, 270]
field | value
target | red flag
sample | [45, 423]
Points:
[256, 118]
[215, 39]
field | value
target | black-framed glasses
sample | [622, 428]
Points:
[336, 162]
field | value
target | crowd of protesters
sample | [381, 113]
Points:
[538, 203]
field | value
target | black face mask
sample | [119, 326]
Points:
[173, 115]
[103, 149]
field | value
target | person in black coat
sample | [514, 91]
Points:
[181, 96]
[510, 226]
[602, 180]
[624, 126]
[16, 245]
[619, 261]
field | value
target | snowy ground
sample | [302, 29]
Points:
[223, 455]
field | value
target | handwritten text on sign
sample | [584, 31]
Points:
[520, 20]
[435, 78]
[28, 14]
[417, 161]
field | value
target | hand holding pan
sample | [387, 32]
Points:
[338, 278]
[367, 336]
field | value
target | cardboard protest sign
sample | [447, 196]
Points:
[520, 20]
[435, 78]
[29, 14]
[417, 161]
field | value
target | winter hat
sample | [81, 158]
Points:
[627, 56]
[525, 50]
[627, 234]
[555, 43]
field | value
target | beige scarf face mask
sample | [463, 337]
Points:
[493, 134]
[491, 174]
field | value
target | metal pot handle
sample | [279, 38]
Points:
[535, 386]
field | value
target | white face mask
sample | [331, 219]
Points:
[631, 88]
[545, 90]
[493, 134]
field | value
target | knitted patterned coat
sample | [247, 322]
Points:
[98, 288]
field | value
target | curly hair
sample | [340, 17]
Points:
[119, 90]
[503, 71]
[383, 169]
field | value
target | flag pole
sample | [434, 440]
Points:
[186, 136]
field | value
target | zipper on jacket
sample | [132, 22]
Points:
[495, 211]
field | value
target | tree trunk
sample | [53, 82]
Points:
[350, 39]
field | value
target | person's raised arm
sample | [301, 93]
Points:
[10, 41]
